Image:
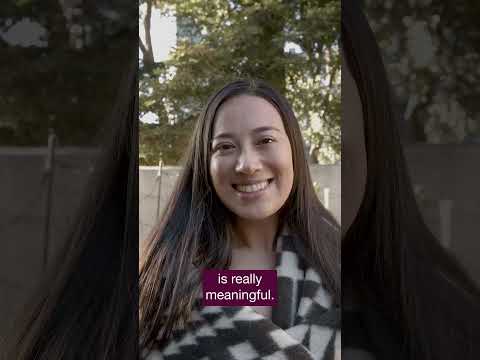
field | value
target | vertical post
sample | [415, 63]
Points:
[445, 212]
[159, 179]
[326, 198]
[49, 172]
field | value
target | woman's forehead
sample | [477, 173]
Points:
[247, 112]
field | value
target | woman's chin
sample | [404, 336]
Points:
[254, 215]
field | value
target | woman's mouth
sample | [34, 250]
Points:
[252, 188]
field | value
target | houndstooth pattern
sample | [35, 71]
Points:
[304, 324]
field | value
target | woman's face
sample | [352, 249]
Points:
[354, 155]
[251, 164]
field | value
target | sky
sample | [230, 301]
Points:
[25, 33]
[164, 37]
[163, 32]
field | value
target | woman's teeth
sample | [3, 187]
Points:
[252, 187]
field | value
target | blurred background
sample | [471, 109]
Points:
[431, 50]
[190, 48]
[60, 68]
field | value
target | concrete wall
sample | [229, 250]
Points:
[448, 180]
[23, 208]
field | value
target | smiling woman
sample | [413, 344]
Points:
[245, 200]
[251, 163]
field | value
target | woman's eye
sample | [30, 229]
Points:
[223, 147]
[266, 141]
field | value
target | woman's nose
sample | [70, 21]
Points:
[248, 162]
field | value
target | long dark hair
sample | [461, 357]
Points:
[87, 306]
[423, 292]
[193, 232]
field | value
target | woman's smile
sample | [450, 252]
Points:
[252, 189]
[252, 186]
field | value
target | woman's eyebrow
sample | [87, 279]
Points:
[265, 128]
[223, 135]
[256, 130]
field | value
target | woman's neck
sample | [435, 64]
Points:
[257, 235]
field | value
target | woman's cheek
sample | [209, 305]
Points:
[219, 170]
[214, 170]
[285, 158]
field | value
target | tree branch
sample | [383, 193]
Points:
[142, 47]
[147, 24]
[146, 47]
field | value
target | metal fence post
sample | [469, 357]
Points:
[326, 197]
[159, 179]
[445, 213]
[49, 173]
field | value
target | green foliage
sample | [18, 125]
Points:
[220, 41]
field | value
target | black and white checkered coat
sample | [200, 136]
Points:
[304, 324]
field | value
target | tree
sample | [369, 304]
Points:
[63, 58]
[431, 53]
[292, 45]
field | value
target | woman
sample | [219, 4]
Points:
[245, 200]
[404, 296]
